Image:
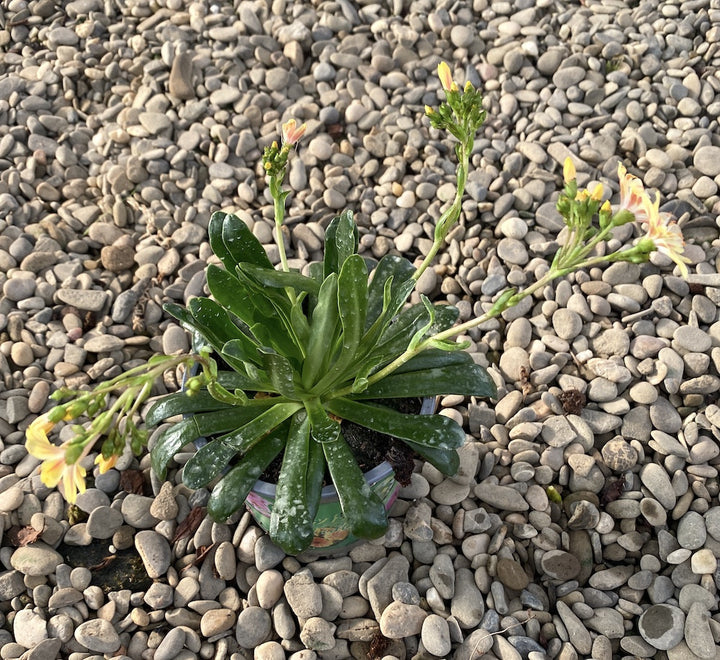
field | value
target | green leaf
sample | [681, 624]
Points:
[435, 431]
[291, 525]
[465, 379]
[280, 372]
[214, 322]
[198, 426]
[230, 492]
[447, 461]
[352, 307]
[341, 241]
[323, 325]
[433, 358]
[315, 477]
[300, 323]
[401, 271]
[236, 351]
[241, 243]
[210, 460]
[180, 403]
[232, 294]
[322, 428]
[217, 244]
[242, 349]
[278, 279]
[362, 508]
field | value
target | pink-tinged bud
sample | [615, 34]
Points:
[569, 170]
[292, 132]
[445, 76]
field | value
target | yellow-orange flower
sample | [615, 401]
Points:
[104, 464]
[664, 233]
[632, 194]
[446, 80]
[292, 132]
[569, 172]
[55, 468]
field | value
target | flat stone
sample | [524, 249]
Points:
[662, 626]
[502, 498]
[36, 559]
[512, 574]
[400, 620]
[560, 565]
[98, 635]
[253, 627]
[29, 628]
[698, 634]
[154, 550]
[435, 635]
[656, 480]
[86, 300]
[215, 621]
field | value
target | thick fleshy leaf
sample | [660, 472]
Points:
[465, 379]
[434, 358]
[230, 492]
[401, 271]
[447, 461]
[278, 279]
[242, 349]
[323, 328]
[214, 321]
[180, 403]
[341, 241]
[200, 425]
[214, 457]
[435, 431]
[315, 477]
[352, 307]
[233, 294]
[291, 525]
[362, 508]
[322, 428]
[241, 243]
[280, 373]
[207, 463]
[216, 242]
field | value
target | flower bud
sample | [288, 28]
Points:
[597, 193]
[445, 75]
[569, 173]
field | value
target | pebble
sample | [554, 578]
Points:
[253, 627]
[98, 635]
[154, 551]
[35, 560]
[662, 626]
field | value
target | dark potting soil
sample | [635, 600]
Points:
[369, 447]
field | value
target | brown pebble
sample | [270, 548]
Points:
[512, 574]
[117, 258]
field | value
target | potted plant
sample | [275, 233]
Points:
[301, 352]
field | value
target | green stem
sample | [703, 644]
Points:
[450, 215]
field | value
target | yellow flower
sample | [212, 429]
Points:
[597, 193]
[445, 75]
[632, 194]
[292, 132]
[569, 173]
[664, 233]
[104, 464]
[55, 468]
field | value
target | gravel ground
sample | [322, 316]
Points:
[125, 123]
